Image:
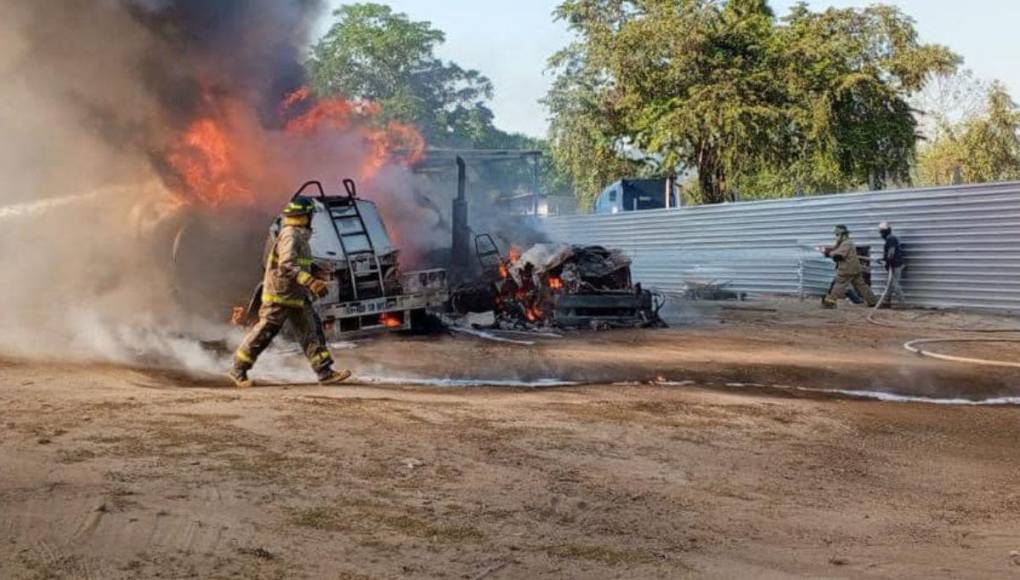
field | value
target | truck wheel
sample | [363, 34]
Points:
[424, 323]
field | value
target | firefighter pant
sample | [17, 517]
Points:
[895, 285]
[843, 282]
[272, 317]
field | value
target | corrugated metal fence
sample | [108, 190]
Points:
[962, 243]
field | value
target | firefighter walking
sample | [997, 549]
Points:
[848, 270]
[287, 289]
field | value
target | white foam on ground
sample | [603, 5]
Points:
[296, 350]
[894, 398]
[287, 369]
[873, 395]
[490, 336]
[425, 382]
[888, 397]
[654, 383]
[543, 334]
[674, 383]
[343, 345]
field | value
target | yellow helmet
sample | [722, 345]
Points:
[299, 206]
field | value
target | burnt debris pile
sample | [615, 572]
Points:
[557, 286]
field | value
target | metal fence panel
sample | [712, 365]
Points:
[962, 243]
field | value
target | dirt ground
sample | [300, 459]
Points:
[699, 451]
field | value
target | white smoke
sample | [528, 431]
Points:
[95, 93]
[82, 260]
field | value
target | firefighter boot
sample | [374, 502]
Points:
[328, 376]
[240, 378]
[828, 303]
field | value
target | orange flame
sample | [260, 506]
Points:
[555, 283]
[335, 113]
[533, 314]
[204, 161]
[390, 320]
[394, 141]
[227, 155]
[295, 97]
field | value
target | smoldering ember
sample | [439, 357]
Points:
[582, 289]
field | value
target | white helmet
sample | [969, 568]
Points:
[884, 226]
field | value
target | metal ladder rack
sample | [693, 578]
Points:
[345, 208]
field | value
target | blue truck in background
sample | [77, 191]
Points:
[637, 195]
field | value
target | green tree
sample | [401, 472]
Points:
[722, 88]
[376, 54]
[947, 100]
[584, 136]
[863, 66]
[373, 53]
[983, 148]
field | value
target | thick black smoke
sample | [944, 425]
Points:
[135, 73]
[249, 48]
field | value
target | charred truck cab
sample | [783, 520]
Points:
[352, 251]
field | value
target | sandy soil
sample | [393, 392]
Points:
[116, 472]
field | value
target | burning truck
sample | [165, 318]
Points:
[557, 285]
[352, 251]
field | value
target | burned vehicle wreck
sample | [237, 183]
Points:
[557, 285]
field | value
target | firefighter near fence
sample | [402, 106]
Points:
[849, 272]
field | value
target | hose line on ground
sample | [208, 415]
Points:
[913, 345]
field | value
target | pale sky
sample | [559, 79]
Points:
[510, 42]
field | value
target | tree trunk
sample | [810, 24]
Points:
[711, 177]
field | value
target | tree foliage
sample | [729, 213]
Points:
[741, 99]
[982, 148]
[948, 100]
[586, 144]
[376, 54]
[373, 53]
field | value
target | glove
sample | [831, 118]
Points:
[318, 287]
[239, 316]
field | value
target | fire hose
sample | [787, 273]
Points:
[914, 345]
